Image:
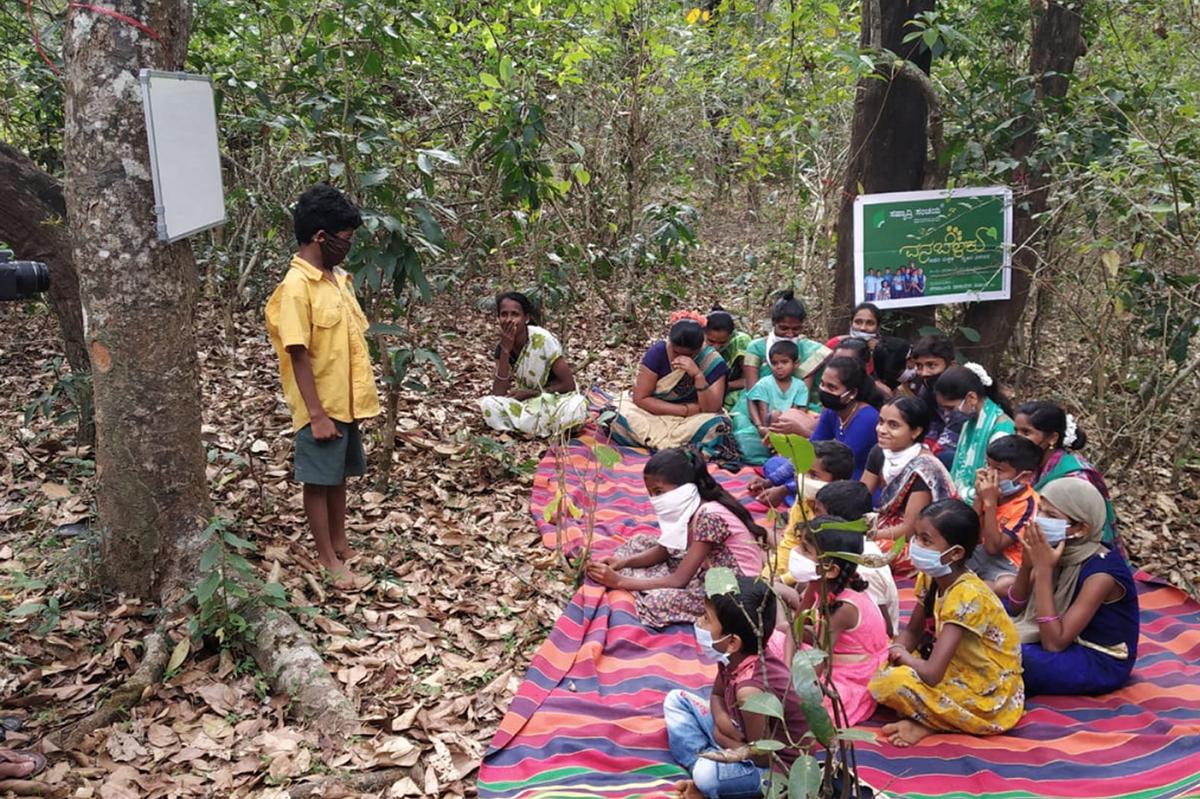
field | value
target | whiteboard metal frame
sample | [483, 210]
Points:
[160, 211]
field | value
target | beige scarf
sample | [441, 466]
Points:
[1081, 502]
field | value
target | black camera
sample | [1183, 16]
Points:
[20, 280]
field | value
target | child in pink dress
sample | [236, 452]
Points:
[857, 630]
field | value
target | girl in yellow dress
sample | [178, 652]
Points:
[969, 678]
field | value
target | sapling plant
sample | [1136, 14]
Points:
[228, 581]
[586, 474]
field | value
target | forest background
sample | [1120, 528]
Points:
[617, 160]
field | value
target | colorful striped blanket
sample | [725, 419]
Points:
[587, 721]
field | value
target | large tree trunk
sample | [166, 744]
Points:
[888, 136]
[139, 300]
[33, 220]
[1057, 41]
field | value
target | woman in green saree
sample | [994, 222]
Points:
[677, 397]
[970, 392]
[721, 333]
[787, 323]
[1054, 430]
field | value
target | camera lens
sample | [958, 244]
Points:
[32, 278]
[21, 280]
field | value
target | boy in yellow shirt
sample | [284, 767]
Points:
[834, 461]
[318, 331]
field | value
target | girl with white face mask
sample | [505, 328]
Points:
[857, 632]
[700, 525]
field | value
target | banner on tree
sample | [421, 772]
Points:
[931, 247]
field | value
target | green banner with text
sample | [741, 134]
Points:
[932, 247]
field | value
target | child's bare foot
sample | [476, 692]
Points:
[905, 732]
[343, 579]
[687, 790]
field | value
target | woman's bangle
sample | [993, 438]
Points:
[1047, 619]
[504, 378]
[1014, 600]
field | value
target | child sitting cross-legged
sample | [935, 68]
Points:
[1006, 504]
[858, 639]
[969, 678]
[767, 399]
[738, 631]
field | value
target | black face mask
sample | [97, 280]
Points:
[834, 402]
[334, 250]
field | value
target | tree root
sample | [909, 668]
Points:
[282, 650]
[156, 650]
[348, 785]
[286, 655]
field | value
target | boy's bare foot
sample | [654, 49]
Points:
[687, 790]
[343, 579]
[905, 732]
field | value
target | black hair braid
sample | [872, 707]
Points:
[848, 577]
[712, 491]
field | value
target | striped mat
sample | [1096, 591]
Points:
[587, 720]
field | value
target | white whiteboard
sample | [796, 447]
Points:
[181, 124]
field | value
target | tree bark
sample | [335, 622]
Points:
[139, 300]
[33, 220]
[888, 136]
[1056, 43]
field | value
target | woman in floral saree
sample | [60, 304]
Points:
[533, 388]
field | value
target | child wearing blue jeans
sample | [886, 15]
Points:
[734, 630]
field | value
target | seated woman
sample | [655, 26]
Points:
[909, 477]
[700, 525]
[721, 333]
[533, 389]
[857, 632]
[970, 392]
[864, 326]
[677, 397]
[1075, 601]
[968, 678]
[849, 400]
[1054, 430]
[787, 322]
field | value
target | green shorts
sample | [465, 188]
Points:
[329, 463]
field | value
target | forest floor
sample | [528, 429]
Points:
[430, 652]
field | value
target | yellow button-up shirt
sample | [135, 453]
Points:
[308, 309]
